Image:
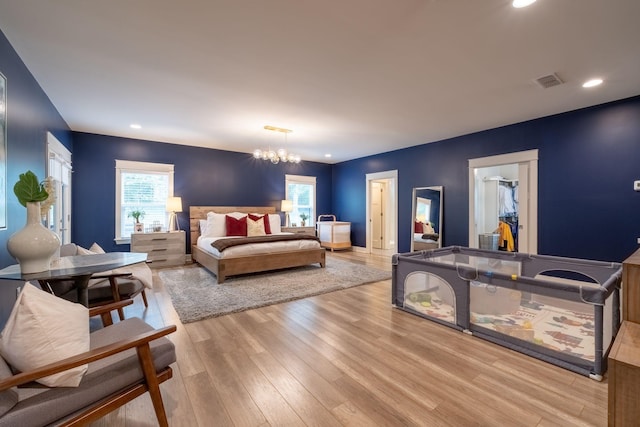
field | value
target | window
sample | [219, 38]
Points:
[423, 210]
[145, 187]
[301, 190]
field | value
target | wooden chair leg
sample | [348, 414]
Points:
[146, 360]
[115, 294]
[144, 298]
[107, 320]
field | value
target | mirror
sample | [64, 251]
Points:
[426, 232]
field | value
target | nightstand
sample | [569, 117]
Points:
[163, 249]
[310, 231]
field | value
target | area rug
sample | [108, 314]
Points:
[196, 296]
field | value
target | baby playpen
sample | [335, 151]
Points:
[561, 310]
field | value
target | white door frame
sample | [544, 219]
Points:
[59, 158]
[392, 176]
[528, 180]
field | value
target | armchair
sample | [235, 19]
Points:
[103, 288]
[125, 360]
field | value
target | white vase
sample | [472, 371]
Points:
[34, 245]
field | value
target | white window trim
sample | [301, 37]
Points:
[303, 179]
[139, 167]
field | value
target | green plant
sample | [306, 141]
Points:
[304, 216]
[29, 189]
[136, 214]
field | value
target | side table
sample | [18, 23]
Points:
[164, 249]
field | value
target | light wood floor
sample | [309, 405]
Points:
[349, 358]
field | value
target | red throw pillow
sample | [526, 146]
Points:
[417, 227]
[236, 227]
[267, 227]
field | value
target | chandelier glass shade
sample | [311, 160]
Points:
[279, 155]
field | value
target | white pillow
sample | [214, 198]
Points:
[82, 251]
[274, 223]
[43, 329]
[203, 227]
[428, 229]
[255, 228]
[96, 249]
[216, 225]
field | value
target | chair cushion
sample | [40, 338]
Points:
[127, 287]
[101, 291]
[103, 378]
[8, 398]
[42, 329]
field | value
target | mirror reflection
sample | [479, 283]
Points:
[427, 218]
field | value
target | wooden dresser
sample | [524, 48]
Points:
[624, 357]
[624, 377]
[163, 249]
[631, 288]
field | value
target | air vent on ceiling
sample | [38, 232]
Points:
[551, 80]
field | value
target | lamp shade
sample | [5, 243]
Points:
[174, 204]
[286, 206]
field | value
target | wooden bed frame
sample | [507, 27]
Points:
[224, 267]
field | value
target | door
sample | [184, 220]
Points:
[385, 225]
[517, 173]
[59, 169]
[378, 198]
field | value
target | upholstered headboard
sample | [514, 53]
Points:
[196, 213]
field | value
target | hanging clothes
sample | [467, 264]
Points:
[506, 237]
[506, 203]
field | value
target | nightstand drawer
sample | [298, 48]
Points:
[159, 261]
[164, 249]
[157, 238]
[165, 246]
[310, 231]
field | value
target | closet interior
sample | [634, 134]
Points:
[497, 208]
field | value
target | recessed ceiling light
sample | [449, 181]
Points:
[522, 3]
[327, 155]
[592, 83]
[135, 126]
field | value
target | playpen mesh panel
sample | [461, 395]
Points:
[555, 324]
[430, 295]
[567, 314]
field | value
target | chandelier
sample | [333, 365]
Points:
[279, 155]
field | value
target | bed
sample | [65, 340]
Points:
[425, 242]
[259, 258]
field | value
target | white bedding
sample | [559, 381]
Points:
[204, 243]
[418, 238]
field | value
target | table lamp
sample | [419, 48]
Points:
[174, 204]
[286, 206]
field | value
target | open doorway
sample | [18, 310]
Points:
[59, 168]
[503, 202]
[382, 212]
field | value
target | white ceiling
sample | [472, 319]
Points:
[349, 77]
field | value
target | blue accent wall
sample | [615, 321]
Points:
[30, 114]
[201, 177]
[588, 160]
